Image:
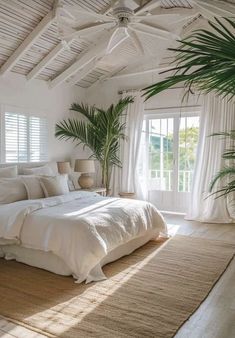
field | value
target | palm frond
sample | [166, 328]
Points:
[228, 189]
[204, 61]
[85, 110]
[229, 154]
[226, 171]
[228, 134]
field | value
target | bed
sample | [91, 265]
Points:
[76, 233]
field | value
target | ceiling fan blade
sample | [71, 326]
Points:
[119, 36]
[136, 41]
[155, 16]
[84, 31]
[185, 18]
[140, 30]
[159, 30]
[100, 17]
[150, 5]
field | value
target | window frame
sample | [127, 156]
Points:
[176, 114]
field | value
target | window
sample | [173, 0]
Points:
[25, 138]
[171, 144]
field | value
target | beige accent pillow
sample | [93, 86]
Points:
[9, 172]
[55, 185]
[12, 190]
[44, 170]
[33, 187]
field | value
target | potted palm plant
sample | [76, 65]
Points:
[101, 132]
[205, 62]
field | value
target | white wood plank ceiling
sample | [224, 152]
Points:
[30, 44]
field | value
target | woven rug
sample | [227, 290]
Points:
[150, 293]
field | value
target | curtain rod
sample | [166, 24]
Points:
[178, 107]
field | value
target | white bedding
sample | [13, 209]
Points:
[47, 260]
[81, 228]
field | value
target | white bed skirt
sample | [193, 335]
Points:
[53, 263]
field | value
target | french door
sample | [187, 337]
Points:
[170, 149]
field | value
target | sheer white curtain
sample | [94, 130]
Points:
[127, 179]
[217, 115]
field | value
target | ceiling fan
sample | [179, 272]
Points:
[123, 21]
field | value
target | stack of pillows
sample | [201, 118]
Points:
[38, 182]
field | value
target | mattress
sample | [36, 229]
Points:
[53, 263]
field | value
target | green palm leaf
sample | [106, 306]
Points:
[226, 171]
[205, 61]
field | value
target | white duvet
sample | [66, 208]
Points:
[81, 227]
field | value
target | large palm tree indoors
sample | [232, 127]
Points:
[205, 62]
[101, 131]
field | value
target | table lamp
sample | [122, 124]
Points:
[85, 167]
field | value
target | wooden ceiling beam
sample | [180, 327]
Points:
[28, 42]
[46, 60]
[217, 7]
[146, 71]
[150, 5]
[83, 72]
[211, 9]
[97, 52]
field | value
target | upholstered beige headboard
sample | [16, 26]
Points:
[52, 165]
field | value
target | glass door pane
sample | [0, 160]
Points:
[161, 132]
[188, 139]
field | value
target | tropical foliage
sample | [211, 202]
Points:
[101, 132]
[228, 172]
[204, 61]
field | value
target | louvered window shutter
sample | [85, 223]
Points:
[26, 138]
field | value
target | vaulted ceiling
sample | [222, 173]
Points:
[31, 44]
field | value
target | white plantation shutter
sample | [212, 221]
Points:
[38, 139]
[15, 137]
[26, 138]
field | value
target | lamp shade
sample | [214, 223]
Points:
[84, 166]
[64, 167]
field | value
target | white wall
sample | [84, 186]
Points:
[35, 96]
[104, 93]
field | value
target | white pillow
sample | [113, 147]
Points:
[55, 185]
[33, 187]
[12, 190]
[44, 170]
[8, 172]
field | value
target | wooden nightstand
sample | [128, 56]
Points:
[99, 190]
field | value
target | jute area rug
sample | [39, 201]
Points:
[150, 293]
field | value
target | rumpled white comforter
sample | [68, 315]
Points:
[81, 227]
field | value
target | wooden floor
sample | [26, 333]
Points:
[215, 318]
